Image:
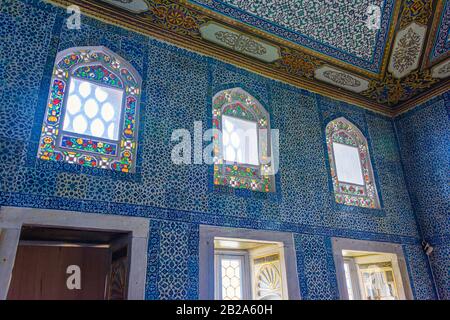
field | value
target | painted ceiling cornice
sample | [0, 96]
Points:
[414, 64]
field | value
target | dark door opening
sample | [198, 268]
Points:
[70, 264]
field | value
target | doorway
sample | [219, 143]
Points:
[56, 254]
[70, 264]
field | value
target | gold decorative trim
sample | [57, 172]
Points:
[300, 62]
[282, 42]
[254, 39]
[414, 13]
[424, 97]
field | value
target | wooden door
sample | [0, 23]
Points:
[40, 272]
[119, 271]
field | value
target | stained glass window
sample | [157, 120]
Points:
[242, 152]
[351, 169]
[92, 112]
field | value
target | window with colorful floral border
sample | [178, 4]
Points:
[109, 140]
[238, 104]
[350, 166]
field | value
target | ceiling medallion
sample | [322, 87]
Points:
[442, 70]
[407, 49]
[341, 79]
[240, 42]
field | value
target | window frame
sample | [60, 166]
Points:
[245, 272]
[86, 150]
[339, 244]
[207, 257]
[346, 193]
[239, 175]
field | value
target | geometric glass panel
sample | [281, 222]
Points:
[91, 118]
[93, 110]
[231, 279]
[350, 166]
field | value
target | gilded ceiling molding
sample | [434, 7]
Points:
[174, 17]
[297, 63]
[391, 90]
[401, 82]
[418, 11]
[178, 23]
[403, 107]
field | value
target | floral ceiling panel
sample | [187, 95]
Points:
[353, 31]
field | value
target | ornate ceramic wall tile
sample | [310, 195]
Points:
[407, 48]
[341, 79]
[240, 42]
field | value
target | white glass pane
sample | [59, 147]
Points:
[230, 154]
[101, 94]
[348, 164]
[84, 88]
[225, 138]
[348, 280]
[235, 140]
[107, 111]
[97, 128]
[93, 110]
[240, 140]
[111, 131]
[66, 122]
[80, 124]
[73, 104]
[231, 279]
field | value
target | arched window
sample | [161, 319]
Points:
[351, 169]
[92, 111]
[242, 152]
